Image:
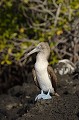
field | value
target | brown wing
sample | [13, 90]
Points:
[53, 77]
[35, 78]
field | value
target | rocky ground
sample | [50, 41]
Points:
[18, 102]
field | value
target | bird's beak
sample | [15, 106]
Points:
[33, 51]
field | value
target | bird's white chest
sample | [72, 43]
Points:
[43, 76]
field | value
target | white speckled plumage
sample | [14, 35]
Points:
[65, 66]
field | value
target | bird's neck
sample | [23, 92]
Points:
[41, 62]
[41, 57]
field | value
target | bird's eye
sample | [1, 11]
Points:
[39, 47]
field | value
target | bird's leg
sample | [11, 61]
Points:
[47, 96]
[40, 96]
[43, 96]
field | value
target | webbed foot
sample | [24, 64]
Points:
[43, 96]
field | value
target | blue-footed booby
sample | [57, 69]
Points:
[43, 74]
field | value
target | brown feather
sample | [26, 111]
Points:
[35, 78]
[53, 77]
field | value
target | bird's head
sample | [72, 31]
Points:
[43, 48]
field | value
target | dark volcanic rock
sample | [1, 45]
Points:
[18, 103]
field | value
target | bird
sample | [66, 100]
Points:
[43, 74]
[64, 67]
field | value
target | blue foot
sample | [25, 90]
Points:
[43, 96]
